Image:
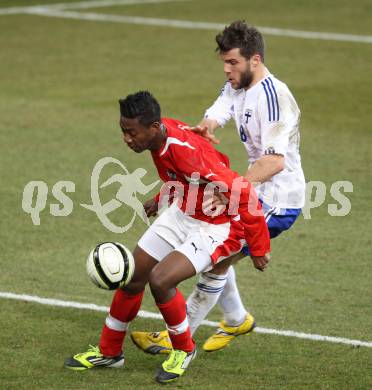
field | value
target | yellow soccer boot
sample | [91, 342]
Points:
[225, 334]
[152, 342]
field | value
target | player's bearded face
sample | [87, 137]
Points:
[237, 69]
[245, 80]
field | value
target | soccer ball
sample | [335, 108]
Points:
[110, 265]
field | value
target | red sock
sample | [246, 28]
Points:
[124, 308]
[174, 314]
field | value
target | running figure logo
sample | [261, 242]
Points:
[131, 184]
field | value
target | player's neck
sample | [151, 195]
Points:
[159, 139]
[260, 73]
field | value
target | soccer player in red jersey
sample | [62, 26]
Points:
[184, 240]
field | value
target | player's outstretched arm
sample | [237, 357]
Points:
[206, 129]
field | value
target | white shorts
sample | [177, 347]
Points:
[203, 243]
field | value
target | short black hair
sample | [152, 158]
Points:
[242, 36]
[141, 105]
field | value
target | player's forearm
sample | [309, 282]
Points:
[255, 228]
[243, 201]
[252, 218]
[257, 237]
[265, 168]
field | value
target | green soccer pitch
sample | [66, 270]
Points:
[60, 78]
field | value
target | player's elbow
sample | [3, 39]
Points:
[275, 163]
[279, 163]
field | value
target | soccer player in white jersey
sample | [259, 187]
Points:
[267, 120]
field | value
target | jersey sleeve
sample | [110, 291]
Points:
[278, 115]
[243, 200]
[221, 110]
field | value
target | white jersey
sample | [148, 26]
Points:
[267, 119]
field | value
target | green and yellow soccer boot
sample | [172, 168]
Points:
[93, 358]
[175, 365]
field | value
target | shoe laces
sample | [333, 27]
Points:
[92, 348]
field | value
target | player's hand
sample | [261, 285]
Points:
[214, 204]
[151, 207]
[261, 262]
[203, 131]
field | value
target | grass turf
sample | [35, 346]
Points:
[60, 83]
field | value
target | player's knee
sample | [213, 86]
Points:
[135, 287]
[137, 284]
[143, 266]
[159, 282]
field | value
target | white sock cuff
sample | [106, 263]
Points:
[180, 328]
[213, 276]
[115, 324]
[211, 283]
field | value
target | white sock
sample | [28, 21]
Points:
[230, 301]
[204, 296]
[115, 324]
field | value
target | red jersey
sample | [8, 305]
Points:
[189, 159]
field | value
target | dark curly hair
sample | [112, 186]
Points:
[141, 105]
[242, 36]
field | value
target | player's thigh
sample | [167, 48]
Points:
[185, 261]
[149, 251]
[171, 226]
[172, 270]
[196, 249]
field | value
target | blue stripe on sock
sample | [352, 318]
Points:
[209, 289]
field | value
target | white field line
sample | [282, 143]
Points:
[105, 3]
[80, 5]
[52, 11]
[146, 314]
[197, 25]
[13, 10]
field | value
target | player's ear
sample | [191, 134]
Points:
[156, 126]
[256, 60]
